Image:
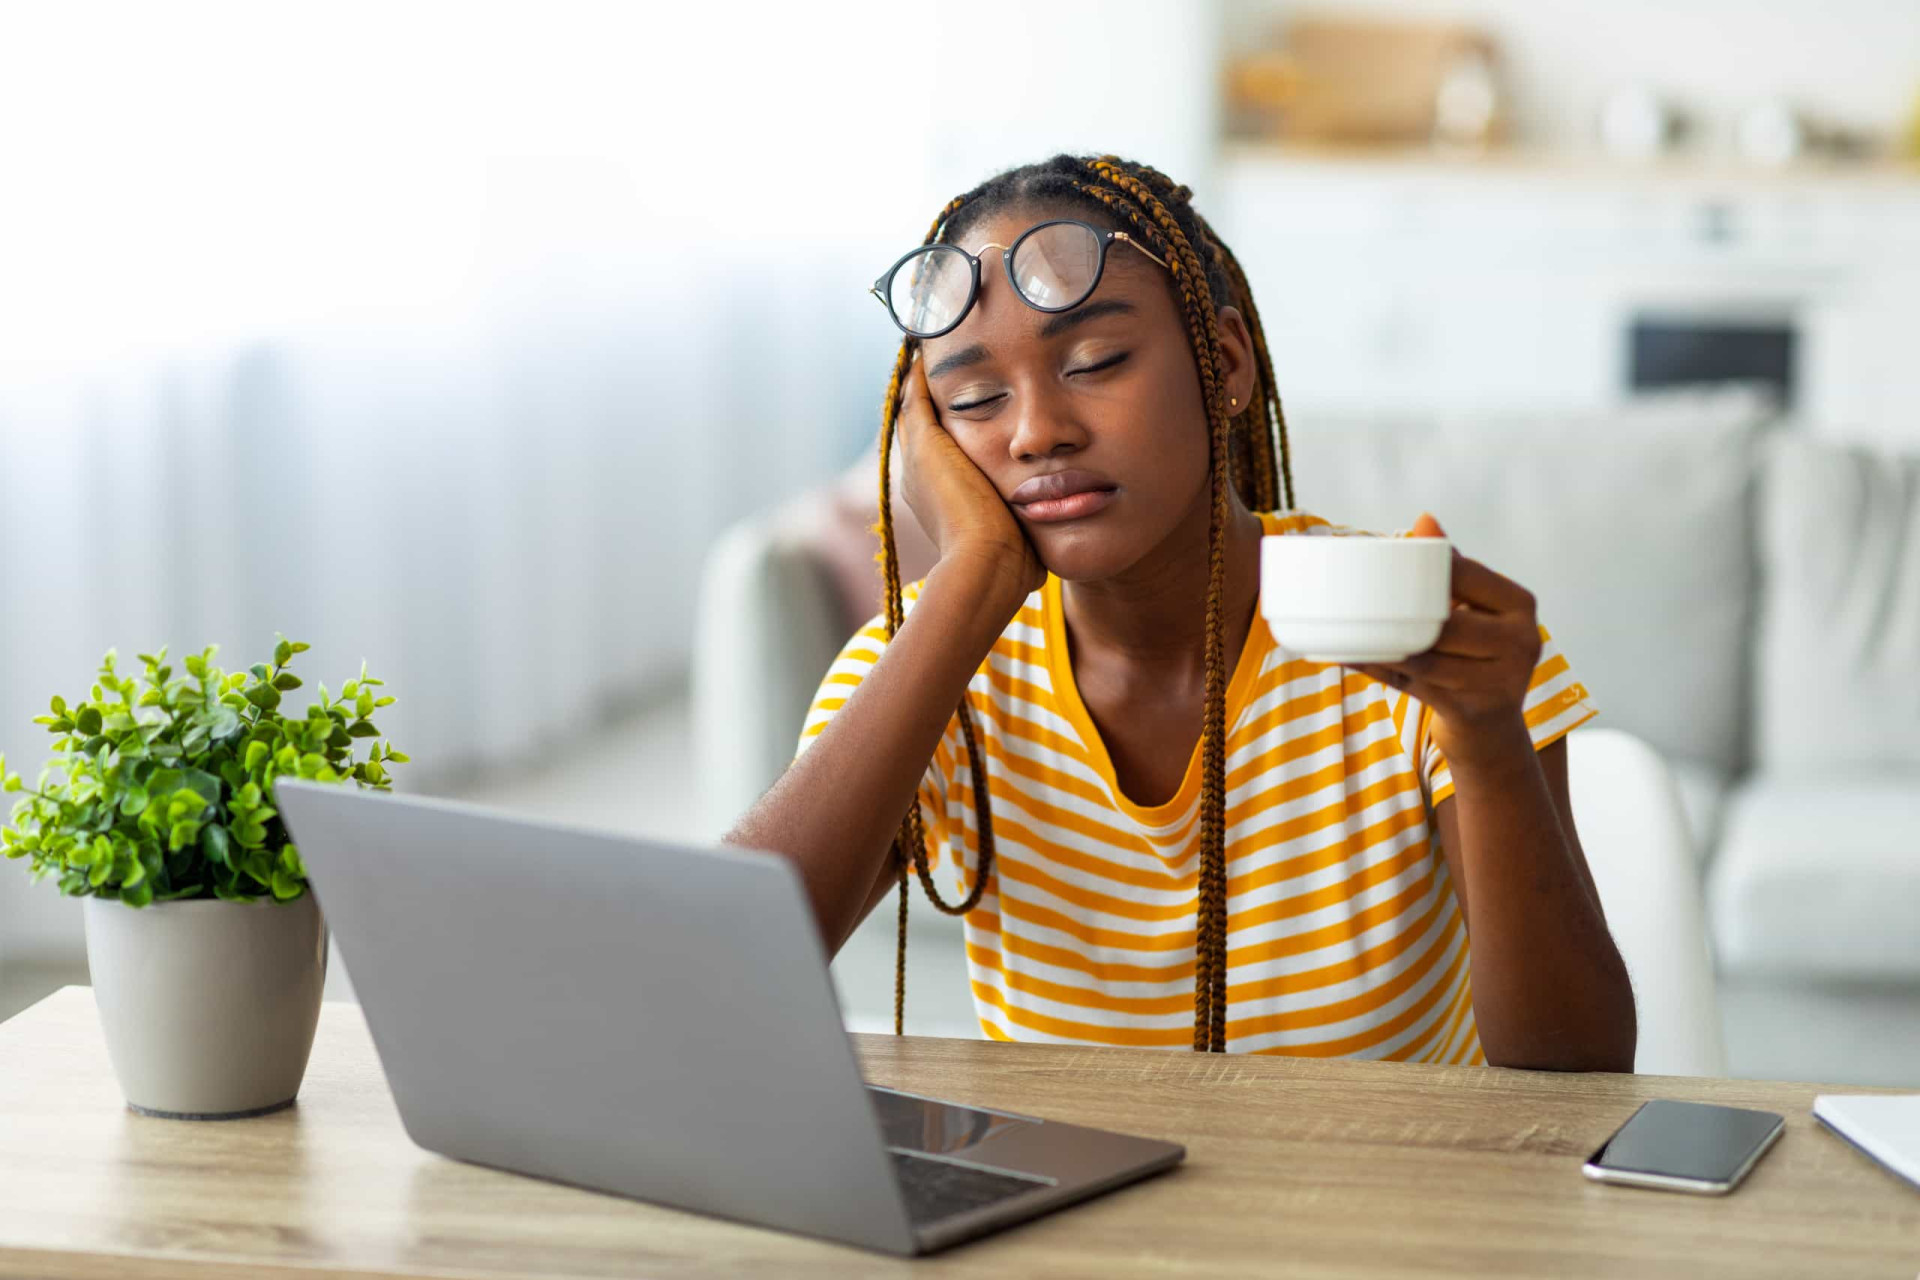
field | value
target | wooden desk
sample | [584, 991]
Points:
[1294, 1167]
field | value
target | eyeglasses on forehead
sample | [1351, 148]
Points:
[1053, 266]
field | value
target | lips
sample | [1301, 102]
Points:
[1063, 495]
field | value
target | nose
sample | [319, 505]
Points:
[1043, 426]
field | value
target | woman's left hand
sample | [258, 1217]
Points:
[1476, 675]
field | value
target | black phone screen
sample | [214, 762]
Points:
[1687, 1140]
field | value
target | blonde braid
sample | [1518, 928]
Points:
[1272, 427]
[910, 842]
[1190, 277]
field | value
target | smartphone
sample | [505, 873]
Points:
[1685, 1146]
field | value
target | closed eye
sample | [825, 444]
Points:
[1098, 366]
[1108, 363]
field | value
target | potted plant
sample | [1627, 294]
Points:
[206, 948]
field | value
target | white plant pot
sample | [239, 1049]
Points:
[208, 1006]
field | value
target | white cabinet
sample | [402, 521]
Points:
[1493, 284]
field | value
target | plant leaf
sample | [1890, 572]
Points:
[159, 787]
[224, 723]
[215, 844]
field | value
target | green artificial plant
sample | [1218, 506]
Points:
[162, 787]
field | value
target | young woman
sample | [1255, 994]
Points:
[1161, 829]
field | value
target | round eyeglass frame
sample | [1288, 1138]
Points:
[883, 287]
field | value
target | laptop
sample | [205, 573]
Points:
[655, 1021]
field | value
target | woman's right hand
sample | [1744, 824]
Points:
[961, 511]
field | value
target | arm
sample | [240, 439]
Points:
[1549, 988]
[835, 811]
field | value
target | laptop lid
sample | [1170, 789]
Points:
[603, 1011]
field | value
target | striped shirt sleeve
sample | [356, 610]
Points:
[856, 658]
[1557, 703]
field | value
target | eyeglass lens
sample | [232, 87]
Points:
[1053, 268]
[930, 289]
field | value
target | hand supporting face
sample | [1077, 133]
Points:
[954, 500]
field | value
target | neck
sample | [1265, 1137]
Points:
[1155, 613]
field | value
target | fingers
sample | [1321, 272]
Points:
[1448, 671]
[1469, 633]
[916, 402]
[1473, 583]
[1482, 588]
[916, 406]
[1468, 641]
[1430, 670]
[1384, 674]
[919, 396]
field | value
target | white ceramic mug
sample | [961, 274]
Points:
[1355, 599]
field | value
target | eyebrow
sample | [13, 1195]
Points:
[1059, 324]
[1055, 326]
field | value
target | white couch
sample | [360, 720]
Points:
[1744, 596]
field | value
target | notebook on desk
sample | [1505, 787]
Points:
[1885, 1127]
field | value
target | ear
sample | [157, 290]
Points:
[1236, 355]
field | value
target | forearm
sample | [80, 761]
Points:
[836, 809]
[1549, 988]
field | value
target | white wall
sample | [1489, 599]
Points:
[447, 335]
[1018, 80]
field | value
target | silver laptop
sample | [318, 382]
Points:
[658, 1022]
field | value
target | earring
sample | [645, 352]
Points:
[1233, 402]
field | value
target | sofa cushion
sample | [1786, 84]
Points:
[1819, 879]
[1837, 662]
[1633, 530]
[1703, 794]
[766, 628]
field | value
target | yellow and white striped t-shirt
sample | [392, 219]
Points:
[1344, 936]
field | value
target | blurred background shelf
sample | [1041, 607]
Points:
[1589, 165]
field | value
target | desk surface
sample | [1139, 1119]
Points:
[1293, 1167]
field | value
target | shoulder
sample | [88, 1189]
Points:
[1282, 523]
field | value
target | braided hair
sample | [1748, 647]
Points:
[1248, 449]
